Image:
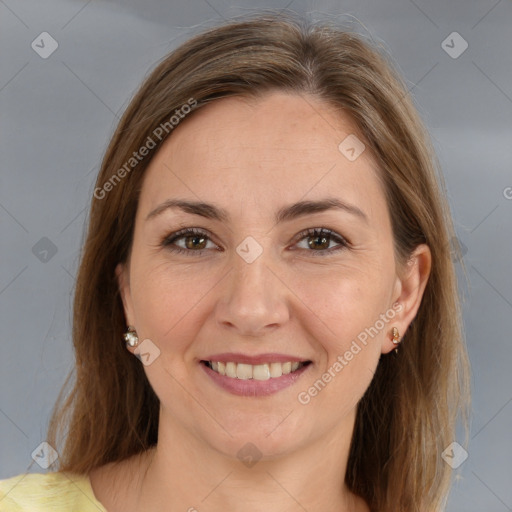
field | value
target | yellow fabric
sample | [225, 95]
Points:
[44, 492]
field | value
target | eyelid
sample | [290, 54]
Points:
[311, 232]
[308, 232]
[183, 233]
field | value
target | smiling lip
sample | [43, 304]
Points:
[254, 387]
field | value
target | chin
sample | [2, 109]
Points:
[265, 438]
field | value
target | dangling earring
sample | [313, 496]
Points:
[396, 337]
[131, 338]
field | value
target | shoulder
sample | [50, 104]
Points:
[58, 492]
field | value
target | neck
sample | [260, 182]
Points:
[183, 473]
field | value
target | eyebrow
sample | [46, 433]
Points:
[284, 214]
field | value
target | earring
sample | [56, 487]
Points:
[131, 338]
[396, 337]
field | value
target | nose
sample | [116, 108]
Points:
[253, 298]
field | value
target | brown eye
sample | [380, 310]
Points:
[194, 241]
[319, 241]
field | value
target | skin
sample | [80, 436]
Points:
[252, 157]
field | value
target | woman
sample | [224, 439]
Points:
[266, 313]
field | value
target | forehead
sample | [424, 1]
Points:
[266, 151]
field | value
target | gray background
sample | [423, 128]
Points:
[58, 114]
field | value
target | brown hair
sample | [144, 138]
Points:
[407, 416]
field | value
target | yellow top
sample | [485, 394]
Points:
[42, 492]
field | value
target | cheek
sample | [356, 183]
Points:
[167, 303]
[349, 342]
[349, 313]
[168, 307]
[346, 301]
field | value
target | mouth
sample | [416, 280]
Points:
[261, 372]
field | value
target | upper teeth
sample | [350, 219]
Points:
[258, 371]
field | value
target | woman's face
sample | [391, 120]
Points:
[250, 286]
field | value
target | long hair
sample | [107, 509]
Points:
[408, 415]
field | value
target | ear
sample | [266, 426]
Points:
[123, 281]
[409, 288]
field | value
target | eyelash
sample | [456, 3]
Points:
[169, 240]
